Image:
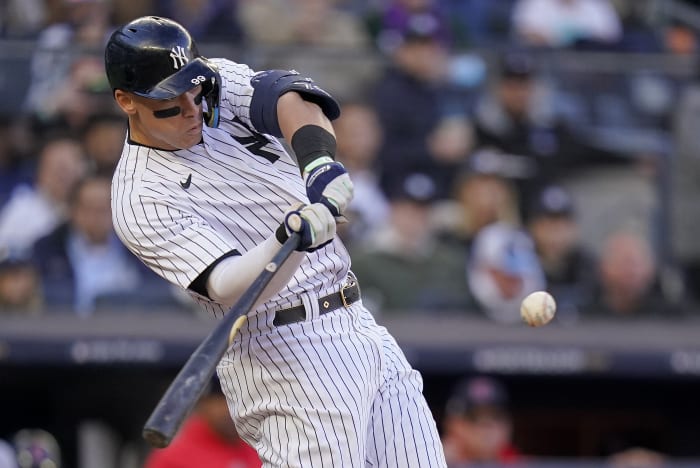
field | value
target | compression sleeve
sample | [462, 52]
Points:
[232, 276]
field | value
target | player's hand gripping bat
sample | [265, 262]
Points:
[190, 382]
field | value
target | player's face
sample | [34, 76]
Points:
[168, 124]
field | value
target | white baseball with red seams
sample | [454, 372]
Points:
[538, 308]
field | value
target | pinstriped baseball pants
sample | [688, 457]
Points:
[332, 391]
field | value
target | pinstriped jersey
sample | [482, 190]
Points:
[180, 211]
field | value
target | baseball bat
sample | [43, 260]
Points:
[189, 384]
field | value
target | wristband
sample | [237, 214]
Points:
[312, 142]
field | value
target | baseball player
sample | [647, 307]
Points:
[205, 194]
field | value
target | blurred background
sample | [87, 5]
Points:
[497, 147]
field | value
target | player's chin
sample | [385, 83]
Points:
[190, 138]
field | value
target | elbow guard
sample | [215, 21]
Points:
[268, 86]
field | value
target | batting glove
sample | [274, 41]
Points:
[328, 182]
[314, 223]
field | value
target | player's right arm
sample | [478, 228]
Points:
[185, 250]
[232, 276]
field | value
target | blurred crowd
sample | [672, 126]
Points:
[482, 173]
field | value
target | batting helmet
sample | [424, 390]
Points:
[157, 58]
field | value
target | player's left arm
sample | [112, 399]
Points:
[286, 104]
[312, 137]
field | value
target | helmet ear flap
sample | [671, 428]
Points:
[211, 92]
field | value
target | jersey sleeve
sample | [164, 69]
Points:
[236, 90]
[177, 245]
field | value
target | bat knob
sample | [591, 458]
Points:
[155, 438]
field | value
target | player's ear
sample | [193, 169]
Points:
[125, 101]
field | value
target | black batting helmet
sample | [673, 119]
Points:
[157, 58]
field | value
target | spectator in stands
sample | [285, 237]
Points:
[22, 18]
[398, 14]
[103, 138]
[124, 11]
[84, 29]
[566, 23]
[502, 269]
[359, 137]
[568, 267]
[83, 265]
[208, 438]
[685, 190]
[639, 34]
[481, 196]
[424, 119]
[680, 38]
[627, 284]
[84, 93]
[477, 428]
[318, 23]
[481, 23]
[14, 165]
[302, 28]
[20, 289]
[404, 267]
[33, 211]
[527, 140]
[206, 20]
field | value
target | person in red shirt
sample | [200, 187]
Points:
[477, 425]
[208, 438]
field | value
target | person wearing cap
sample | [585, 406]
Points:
[568, 266]
[481, 196]
[517, 126]
[503, 268]
[404, 267]
[424, 119]
[477, 425]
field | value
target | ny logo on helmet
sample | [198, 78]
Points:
[179, 57]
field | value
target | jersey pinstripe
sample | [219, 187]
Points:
[179, 232]
[333, 390]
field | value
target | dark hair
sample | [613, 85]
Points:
[96, 120]
[75, 190]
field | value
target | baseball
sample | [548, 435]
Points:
[538, 308]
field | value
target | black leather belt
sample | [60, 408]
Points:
[349, 294]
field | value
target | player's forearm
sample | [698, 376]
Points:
[293, 112]
[231, 277]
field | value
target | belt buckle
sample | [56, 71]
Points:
[342, 293]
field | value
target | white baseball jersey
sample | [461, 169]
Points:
[333, 390]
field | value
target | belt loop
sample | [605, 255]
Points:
[310, 303]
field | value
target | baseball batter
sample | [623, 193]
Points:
[205, 194]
